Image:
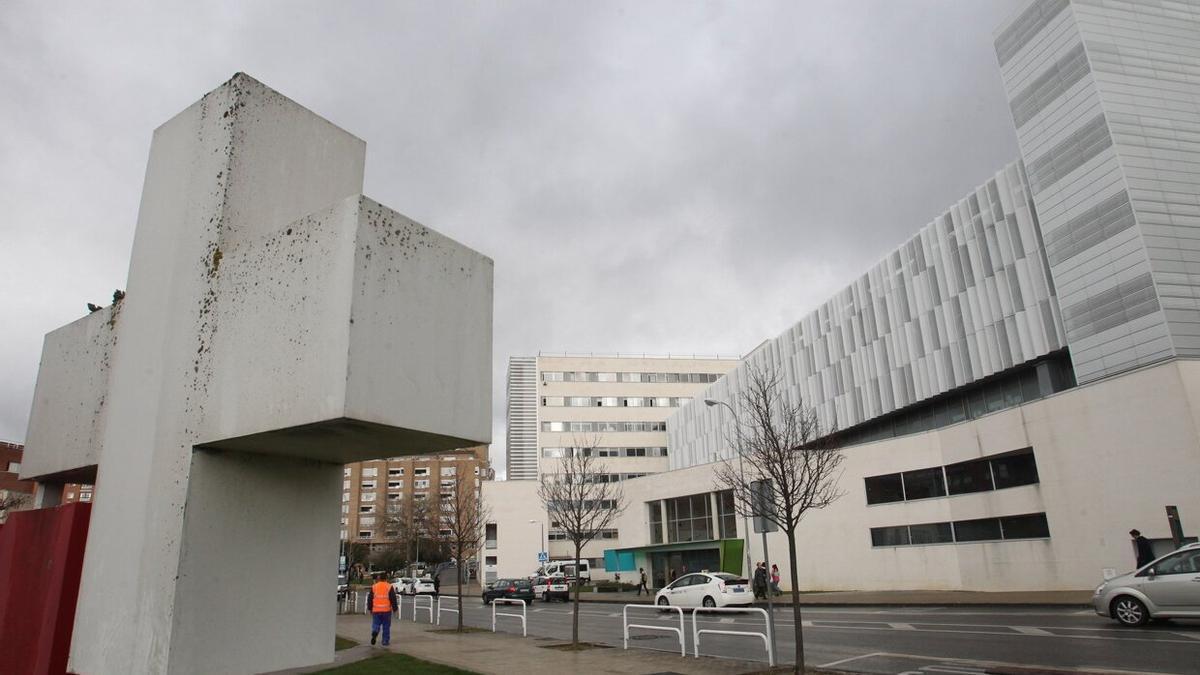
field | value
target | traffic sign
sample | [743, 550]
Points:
[543, 557]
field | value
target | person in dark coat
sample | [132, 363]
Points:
[1141, 545]
[760, 581]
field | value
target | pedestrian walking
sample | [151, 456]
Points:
[437, 584]
[760, 581]
[775, 580]
[1142, 548]
[382, 601]
[642, 583]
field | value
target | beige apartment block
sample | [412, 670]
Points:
[373, 490]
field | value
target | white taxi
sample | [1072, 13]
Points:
[704, 589]
[553, 587]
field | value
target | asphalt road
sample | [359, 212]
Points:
[882, 639]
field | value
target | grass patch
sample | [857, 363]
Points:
[340, 643]
[389, 664]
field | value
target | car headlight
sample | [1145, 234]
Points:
[1100, 588]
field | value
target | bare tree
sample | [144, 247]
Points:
[581, 501]
[411, 520]
[463, 518]
[12, 501]
[783, 444]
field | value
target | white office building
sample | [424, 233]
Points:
[1016, 386]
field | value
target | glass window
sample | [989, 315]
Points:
[924, 483]
[552, 401]
[552, 377]
[656, 524]
[606, 377]
[1183, 562]
[631, 377]
[727, 514]
[1031, 526]
[884, 489]
[1016, 469]
[967, 477]
[983, 529]
[368, 473]
[931, 533]
[889, 536]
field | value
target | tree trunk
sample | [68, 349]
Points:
[460, 592]
[799, 634]
[575, 614]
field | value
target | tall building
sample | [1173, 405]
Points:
[376, 494]
[14, 492]
[522, 450]
[1017, 385]
[615, 407]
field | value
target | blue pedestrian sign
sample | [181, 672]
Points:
[543, 557]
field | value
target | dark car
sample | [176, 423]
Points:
[513, 589]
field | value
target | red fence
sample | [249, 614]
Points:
[41, 556]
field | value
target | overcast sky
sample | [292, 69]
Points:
[659, 177]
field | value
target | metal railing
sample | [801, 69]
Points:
[441, 609]
[417, 605]
[697, 631]
[658, 608]
[521, 616]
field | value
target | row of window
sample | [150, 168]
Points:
[615, 401]
[559, 535]
[1026, 526]
[690, 518]
[663, 378]
[372, 472]
[604, 426]
[597, 477]
[604, 452]
[980, 475]
[553, 507]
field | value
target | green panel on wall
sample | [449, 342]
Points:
[731, 555]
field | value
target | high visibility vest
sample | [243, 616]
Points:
[380, 601]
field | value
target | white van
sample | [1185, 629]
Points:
[571, 569]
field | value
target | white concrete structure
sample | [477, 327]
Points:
[515, 529]
[278, 324]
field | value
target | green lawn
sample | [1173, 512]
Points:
[395, 663]
[340, 643]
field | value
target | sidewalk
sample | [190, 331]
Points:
[901, 598]
[505, 654]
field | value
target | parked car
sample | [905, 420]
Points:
[551, 588]
[513, 589]
[704, 589]
[1167, 588]
[422, 586]
[403, 585]
[571, 569]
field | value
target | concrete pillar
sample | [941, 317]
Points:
[277, 325]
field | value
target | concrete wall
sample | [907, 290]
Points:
[512, 504]
[1110, 456]
[67, 421]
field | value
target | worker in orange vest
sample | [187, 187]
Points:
[382, 601]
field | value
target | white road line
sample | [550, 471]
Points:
[1194, 636]
[902, 626]
[1030, 630]
[957, 671]
[728, 619]
[852, 658]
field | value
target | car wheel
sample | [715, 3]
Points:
[709, 602]
[1129, 611]
[663, 602]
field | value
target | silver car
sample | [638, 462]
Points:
[1167, 588]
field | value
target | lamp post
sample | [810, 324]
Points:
[742, 474]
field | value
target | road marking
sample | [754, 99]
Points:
[728, 619]
[1030, 630]
[852, 658]
[902, 626]
[612, 615]
[1194, 636]
[956, 670]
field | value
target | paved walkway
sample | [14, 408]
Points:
[502, 653]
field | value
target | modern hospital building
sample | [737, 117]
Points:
[1016, 386]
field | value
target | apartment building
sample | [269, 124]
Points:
[377, 492]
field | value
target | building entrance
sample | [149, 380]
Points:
[670, 565]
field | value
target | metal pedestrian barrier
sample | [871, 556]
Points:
[521, 616]
[671, 629]
[697, 631]
[427, 608]
[441, 609]
[349, 603]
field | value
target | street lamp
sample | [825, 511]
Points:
[742, 474]
[541, 538]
